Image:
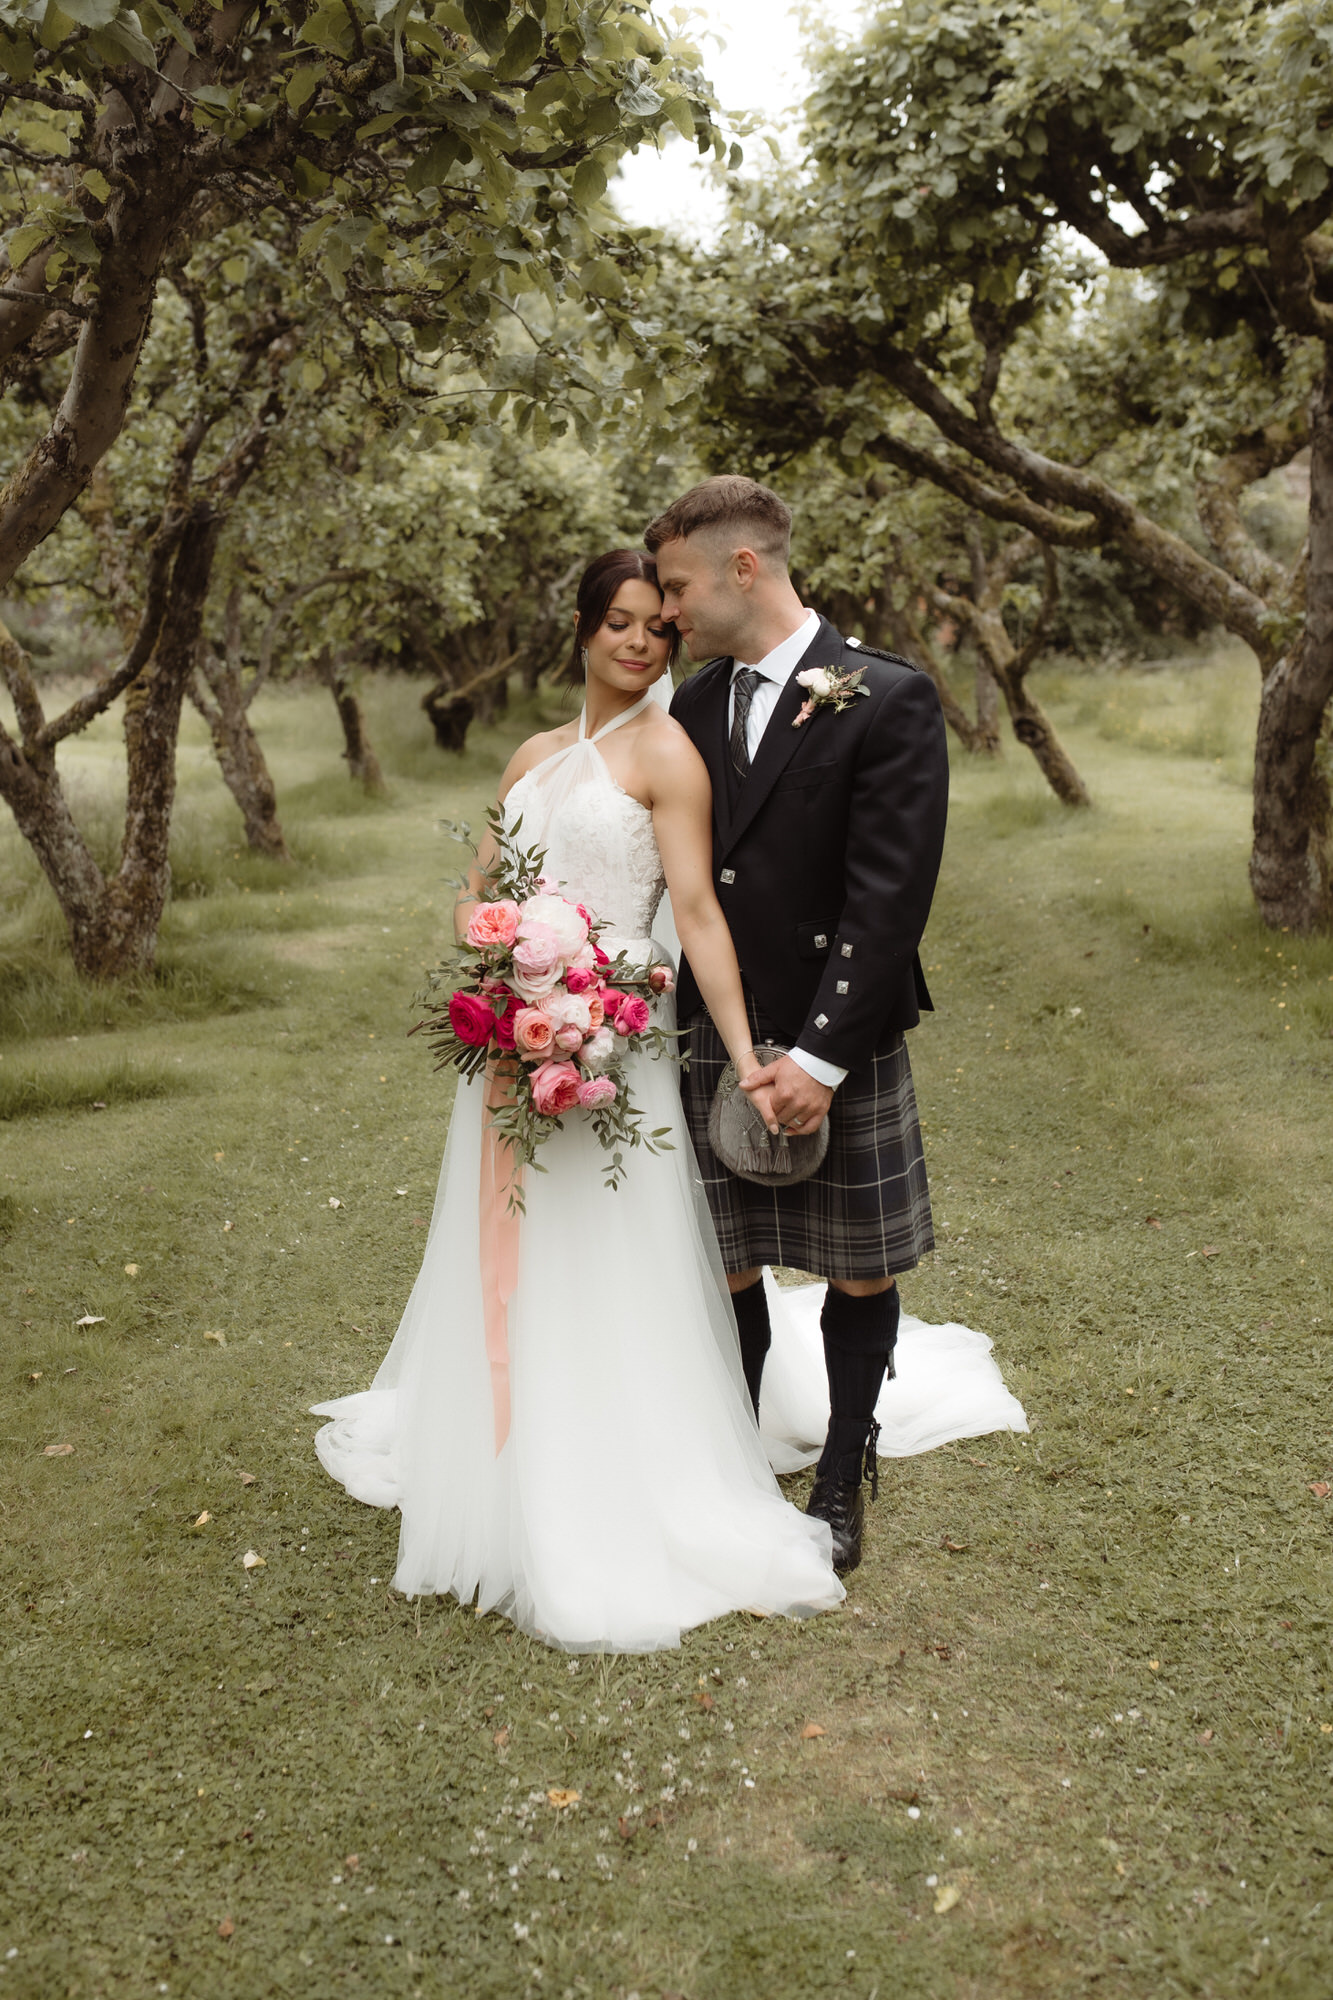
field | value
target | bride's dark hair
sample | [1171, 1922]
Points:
[596, 592]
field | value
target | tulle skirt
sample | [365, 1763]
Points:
[633, 1497]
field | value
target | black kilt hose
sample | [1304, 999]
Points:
[865, 1214]
[825, 857]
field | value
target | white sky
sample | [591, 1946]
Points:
[760, 69]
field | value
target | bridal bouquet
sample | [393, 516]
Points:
[531, 994]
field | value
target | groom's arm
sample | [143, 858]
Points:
[895, 838]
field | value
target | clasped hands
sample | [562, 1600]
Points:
[788, 1097]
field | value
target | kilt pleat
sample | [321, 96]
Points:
[865, 1214]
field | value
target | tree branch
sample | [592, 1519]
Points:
[1218, 493]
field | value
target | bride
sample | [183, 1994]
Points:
[632, 1497]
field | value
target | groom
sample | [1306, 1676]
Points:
[827, 834]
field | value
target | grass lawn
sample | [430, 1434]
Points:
[1077, 1721]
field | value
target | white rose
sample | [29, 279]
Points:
[558, 916]
[597, 1053]
[568, 1010]
[817, 681]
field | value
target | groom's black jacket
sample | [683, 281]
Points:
[826, 864]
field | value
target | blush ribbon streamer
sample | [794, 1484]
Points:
[499, 1244]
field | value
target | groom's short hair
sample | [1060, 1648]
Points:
[730, 501]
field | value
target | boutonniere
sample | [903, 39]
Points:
[828, 688]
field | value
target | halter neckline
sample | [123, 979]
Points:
[626, 715]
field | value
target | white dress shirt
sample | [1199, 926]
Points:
[777, 669]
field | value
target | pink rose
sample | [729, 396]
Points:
[555, 1088]
[578, 979]
[492, 924]
[471, 1018]
[662, 979]
[612, 1000]
[633, 1016]
[599, 955]
[537, 962]
[597, 1090]
[569, 1039]
[596, 1010]
[533, 1033]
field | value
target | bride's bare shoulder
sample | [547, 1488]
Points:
[535, 751]
[667, 748]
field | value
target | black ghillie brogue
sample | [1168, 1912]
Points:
[838, 1495]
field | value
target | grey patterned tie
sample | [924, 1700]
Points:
[742, 693]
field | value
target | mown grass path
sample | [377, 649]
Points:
[1077, 1718]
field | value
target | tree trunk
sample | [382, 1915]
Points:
[113, 923]
[450, 715]
[988, 712]
[1291, 862]
[362, 763]
[240, 756]
[122, 940]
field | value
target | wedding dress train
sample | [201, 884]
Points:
[633, 1497]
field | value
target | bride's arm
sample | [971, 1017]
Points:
[683, 823]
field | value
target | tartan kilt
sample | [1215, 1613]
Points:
[864, 1214]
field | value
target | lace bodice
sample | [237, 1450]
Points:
[599, 844]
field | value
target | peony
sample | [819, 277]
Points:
[534, 1033]
[818, 680]
[492, 924]
[599, 1050]
[595, 1091]
[471, 1019]
[662, 979]
[579, 978]
[633, 1016]
[563, 920]
[569, 1039]
[537, 962]
[555, 1088]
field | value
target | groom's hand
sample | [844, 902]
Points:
[798, 1101]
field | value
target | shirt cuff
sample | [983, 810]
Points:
[823, 1072]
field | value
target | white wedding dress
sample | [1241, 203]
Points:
[633, 1497]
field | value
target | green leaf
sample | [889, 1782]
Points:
[488, 23]
[311, 181]
[302, 85]
[603, 277]
[91, 13]
[521, 51]
[24, 241]
[125, 39]
[431, 168]
[589, 184]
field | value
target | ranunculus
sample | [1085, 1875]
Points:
[817, 680]
[533, 1032]
[570, 1040]
[633, 1016]
[555, 1088]
[537, 962]
[552, 913]
[598, 1050]
[579, 978]
[471, 1019]
[493, 923]
[596, 1090]
[662, 979]
[568, 1010]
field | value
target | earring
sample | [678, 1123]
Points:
[583, 656]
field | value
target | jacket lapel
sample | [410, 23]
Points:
[781, 740]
